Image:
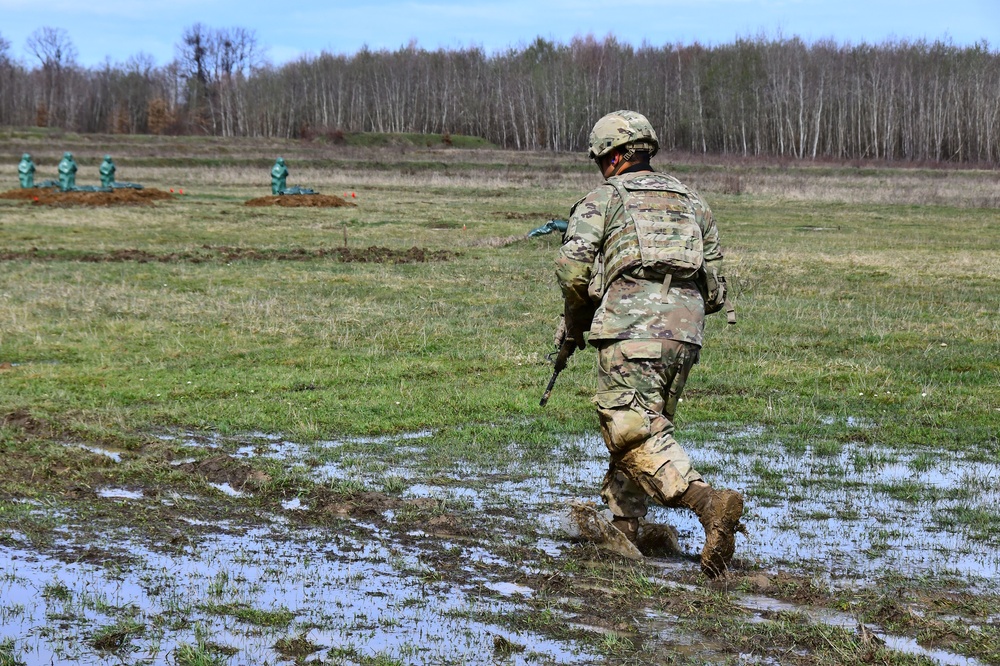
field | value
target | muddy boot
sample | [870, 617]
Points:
[627, 526]
[657, 540]
[583, 521]
[719, 512]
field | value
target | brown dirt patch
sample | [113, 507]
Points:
[206, 253]
[424, 513]
[516, 215]
[224, 469]
[21, 419]
[301, 201]
[122, 197]
[361, 504]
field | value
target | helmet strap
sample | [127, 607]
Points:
[625, 157]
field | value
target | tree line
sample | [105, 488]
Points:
[897, 100]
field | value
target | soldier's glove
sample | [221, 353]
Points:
[716, 292]
[715, 287]
[561, 332]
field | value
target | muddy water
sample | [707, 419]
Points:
[362, 591]
[829, 518]
[855, 521]
[362, 596]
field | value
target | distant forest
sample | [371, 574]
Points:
[899, 100]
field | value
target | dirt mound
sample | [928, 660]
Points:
[301, 200]
[121, 197]
[370, 255]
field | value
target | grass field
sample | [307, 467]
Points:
[243, 435]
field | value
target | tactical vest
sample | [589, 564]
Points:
[658, 233]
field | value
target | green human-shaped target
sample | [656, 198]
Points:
[67, 172]
[279, 176]
[26, 171]
[107, 172]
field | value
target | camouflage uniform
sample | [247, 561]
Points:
[648, 329]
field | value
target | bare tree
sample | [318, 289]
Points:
[756, 97]
[56, 54]
[4, 51]
[52, 47]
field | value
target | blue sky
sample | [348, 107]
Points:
[117, 29]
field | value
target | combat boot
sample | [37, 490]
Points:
[719, 512]
[627, 526]
[652, 539]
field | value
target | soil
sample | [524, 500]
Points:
[21, 419]
[517, 215]
[121, 197]
[300, 201]
[224, 469]
[371, 255]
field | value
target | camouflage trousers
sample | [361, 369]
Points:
[638, 385]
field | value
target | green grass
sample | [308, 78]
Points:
[8, 654]
[279, 617]
[887, 317]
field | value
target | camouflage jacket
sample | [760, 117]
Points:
[632, 306]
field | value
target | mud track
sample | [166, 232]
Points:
[301, 201]
[210, 253]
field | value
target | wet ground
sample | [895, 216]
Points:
[374, 555]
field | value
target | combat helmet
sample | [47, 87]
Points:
[622, 128]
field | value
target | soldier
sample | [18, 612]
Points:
[108, 172]
[26, 171]
[67, 172]
[279, 174]
[639, 268]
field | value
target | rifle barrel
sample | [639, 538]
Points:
[565, 351]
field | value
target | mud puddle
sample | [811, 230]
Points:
[766, 606]
[255, 589]
[860, 513]
[427, 571]
[829, 520]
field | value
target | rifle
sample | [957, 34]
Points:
[565, 350]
